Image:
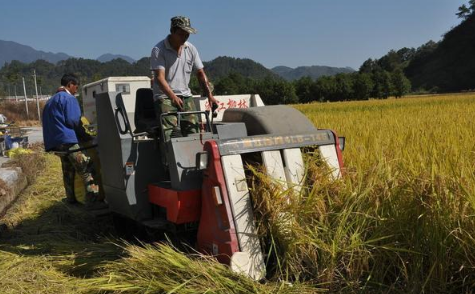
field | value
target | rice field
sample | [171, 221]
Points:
[400, 221]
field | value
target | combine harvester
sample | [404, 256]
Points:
[201, 189]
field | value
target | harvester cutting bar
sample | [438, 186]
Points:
[274, 142]
[226, 200]
[326, 140]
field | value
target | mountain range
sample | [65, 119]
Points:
[314, 71]
[15, 51]
[220, 66]
[224, 65]
[108, 57]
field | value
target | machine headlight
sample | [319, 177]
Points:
[202, 160]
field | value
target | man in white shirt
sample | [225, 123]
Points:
[172, 61]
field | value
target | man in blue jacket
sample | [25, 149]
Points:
[63, 132]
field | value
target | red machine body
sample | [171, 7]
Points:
[210, 206]
[182, 206]
[216, 233]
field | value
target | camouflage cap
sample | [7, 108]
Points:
[183, 23]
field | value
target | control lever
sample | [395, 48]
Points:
[214, 107]
[214, 113]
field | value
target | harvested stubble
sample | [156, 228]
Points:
[400, 221]
[56, 248]
[50, 247]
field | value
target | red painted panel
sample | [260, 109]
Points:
[216, 232]
[182, 206]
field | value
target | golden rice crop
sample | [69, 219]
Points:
[403, 216]
[401, 220]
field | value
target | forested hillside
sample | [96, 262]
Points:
[435, 67]
[450, 65]
[49, 74]
[89, 70]
[222, 66]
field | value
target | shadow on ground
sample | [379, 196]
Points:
[76, 242]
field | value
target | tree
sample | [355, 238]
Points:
[141, 67]
[275, 91]
[386, 84]
[383, 85]
[226, 86]
[2, 92]
[325, 89]
[13, 77]
[401, 84]
[362, 86]
[406, 54]
[304, 89]
[344, 87]
[463, 12]
[390, 61]
[233, 83]
[369, 66]
[286, 91]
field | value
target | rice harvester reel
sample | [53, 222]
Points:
[203, 183]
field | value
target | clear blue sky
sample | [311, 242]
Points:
[272, 32]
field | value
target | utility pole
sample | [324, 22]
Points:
[37, 100]
[26, 99]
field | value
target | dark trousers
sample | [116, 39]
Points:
[77, 162]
